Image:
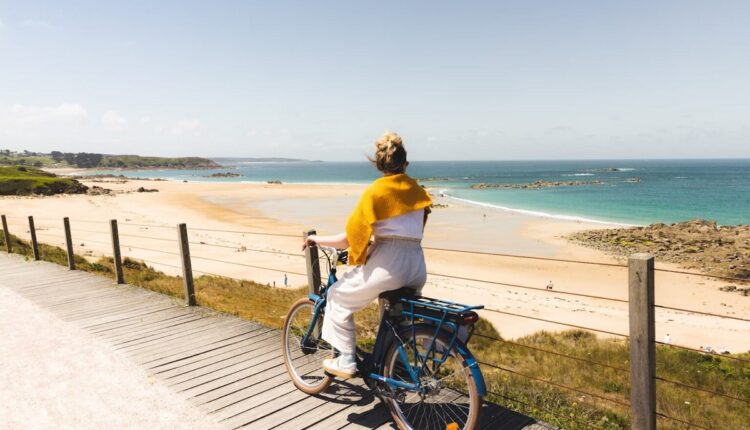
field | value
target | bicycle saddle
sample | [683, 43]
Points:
[396, 295]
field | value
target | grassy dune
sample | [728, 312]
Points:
[20, 180]
[553, 404]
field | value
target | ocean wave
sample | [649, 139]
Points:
[578, 174]
[538, 214]
[625, 169]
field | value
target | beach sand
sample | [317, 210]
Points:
[219, 217]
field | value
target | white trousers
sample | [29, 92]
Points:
[391, 264]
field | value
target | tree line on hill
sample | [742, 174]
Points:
[92, 160]
[81, 159]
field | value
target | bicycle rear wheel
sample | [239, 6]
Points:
[305, 365]
[451, 399]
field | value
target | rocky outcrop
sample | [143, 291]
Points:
[699, 244]
[98, 191]
[223, 175]
[536, 185]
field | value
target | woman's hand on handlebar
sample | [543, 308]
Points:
[309, 241]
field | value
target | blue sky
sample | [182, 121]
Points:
[459, 80]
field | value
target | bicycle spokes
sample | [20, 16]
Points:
[442, 399]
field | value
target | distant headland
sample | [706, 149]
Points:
[231, 161]
[88, 160]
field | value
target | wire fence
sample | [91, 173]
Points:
[208, 240]
[548, 351]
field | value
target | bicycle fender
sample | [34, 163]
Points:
[473, 365]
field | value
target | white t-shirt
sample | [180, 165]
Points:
[409, 224]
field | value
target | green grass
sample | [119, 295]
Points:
[22, 180]
[31, 161]
[543, 401]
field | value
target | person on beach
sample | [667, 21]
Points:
[394, 210]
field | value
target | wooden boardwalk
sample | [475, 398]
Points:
[228, 367]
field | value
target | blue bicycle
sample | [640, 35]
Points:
[419, 367]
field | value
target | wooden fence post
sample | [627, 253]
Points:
[187, 267]
[116, 256]
[34, 243]
[69, 244]
[313, 265]
[642, 338]
[6, 235]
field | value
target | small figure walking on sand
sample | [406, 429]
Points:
[668, 339]
[550, 286]
[286, 280]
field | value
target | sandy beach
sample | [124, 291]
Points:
[220, 217]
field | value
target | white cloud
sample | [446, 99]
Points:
[31, 122]
[145, 120]
[185, 126]
[35, 23]
[21, 115]
[113, 121]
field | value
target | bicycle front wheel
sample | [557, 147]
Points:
[304, 363]
[450, 398]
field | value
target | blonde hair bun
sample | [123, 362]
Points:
[390, 154]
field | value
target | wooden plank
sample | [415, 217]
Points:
[202, 329]
[340, 396]
[154, 359]
[239, 370]
[135, 332]
[161, 361]
[244, 376]
[298, 415]
[222, 349]
[257, 385]
[224, 356]
[273, 400]
[238, 362]
[343, 417]
[376, 418]
[124, 319]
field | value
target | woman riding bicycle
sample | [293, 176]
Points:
[394, 209]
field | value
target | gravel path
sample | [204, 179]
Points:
[54, 375]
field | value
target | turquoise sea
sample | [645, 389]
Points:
[668, 191]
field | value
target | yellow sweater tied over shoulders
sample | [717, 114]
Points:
[387, 197]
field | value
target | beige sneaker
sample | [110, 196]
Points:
[338, 367]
